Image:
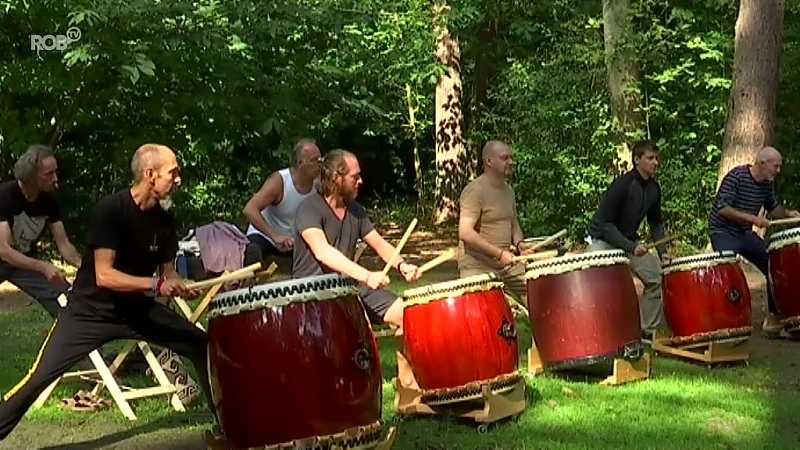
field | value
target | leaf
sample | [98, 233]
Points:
[146, 67]
[133, 73]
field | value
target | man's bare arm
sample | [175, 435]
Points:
[271, 193]
[330, 256]
[110, 278]
[384, 249]
[12, 256]
[736, 215]
[65, 247]
[471, 238]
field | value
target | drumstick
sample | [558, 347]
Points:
[536, 256]
[549, 240]
[790, 220]
[665, 240]
[399, 247]
[201, 308]
[359, 252]
[441, 259]
[236, 275]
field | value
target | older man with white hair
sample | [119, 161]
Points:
[742, 194]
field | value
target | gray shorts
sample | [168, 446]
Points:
[377, 302]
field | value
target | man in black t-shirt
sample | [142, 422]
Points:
[27, 204]
[131, 237]
[329, 223]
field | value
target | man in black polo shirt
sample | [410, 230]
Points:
[27, 205]
[131, 237]
[628, 200]
[741, 195]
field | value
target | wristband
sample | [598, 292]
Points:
[158, 286]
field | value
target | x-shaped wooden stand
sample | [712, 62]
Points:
[121, 394]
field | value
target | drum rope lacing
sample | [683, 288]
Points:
[564, 264]
[478, 283]
[470, 391]
[281, 294]
[362, 437]
[700, 261]
[784, 238]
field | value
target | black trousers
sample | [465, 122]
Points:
[259, 249]
[77, 331]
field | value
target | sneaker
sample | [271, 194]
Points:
[647, 337]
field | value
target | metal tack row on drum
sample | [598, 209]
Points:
[296, 363]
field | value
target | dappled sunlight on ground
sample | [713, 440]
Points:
[683, 405]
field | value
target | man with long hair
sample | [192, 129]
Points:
[27, 205]
[329, 224]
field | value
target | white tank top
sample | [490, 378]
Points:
[281, 216]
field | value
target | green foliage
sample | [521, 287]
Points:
[232, 86]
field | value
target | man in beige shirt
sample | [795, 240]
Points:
[488, 227]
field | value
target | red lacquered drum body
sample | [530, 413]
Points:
[705, 293]
[291, 360]
[584, 309]
[784, 271]
[459, 332]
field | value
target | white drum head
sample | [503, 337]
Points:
[564, 264]
[282, 293]
[784, 238]
[699, 261]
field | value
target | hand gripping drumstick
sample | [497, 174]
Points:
[789, 221]
[665, 240]
[536, 256]
[238, 274]
[549, 240]
[244, 272]
[399, 247]
[441, 259]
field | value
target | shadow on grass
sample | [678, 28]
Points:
[164, 423]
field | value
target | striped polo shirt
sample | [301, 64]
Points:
[740, 191]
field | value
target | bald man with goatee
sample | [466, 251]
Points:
[488, 227]
[128, 262]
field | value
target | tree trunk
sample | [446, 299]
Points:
[484, 70]
[452, 162]
[623, 83]
[751, 108]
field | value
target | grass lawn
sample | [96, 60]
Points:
[683, 405]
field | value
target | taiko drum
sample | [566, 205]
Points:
[784, 271]
[705, 293]
[583, 309]
[459, 332]
[292, 360]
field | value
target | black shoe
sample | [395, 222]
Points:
[647, 337]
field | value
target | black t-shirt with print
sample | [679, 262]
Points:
[25, 218]
[141, 240]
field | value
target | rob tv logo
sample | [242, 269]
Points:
[50, 42]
